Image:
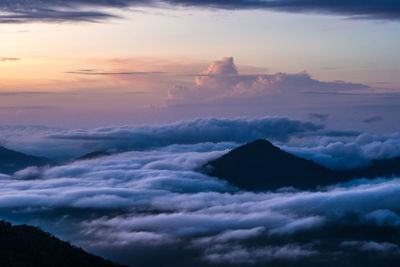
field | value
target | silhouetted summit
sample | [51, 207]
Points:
[94, 155]
[27, 246]
[12, 161]
[262, 166]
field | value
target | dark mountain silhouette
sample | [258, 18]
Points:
[377, 168]
[260, 166]
[94, 155]
[12, 161]
[29, 246]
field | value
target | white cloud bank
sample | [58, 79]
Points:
[60, 143]
[334, 149]
[154, 200]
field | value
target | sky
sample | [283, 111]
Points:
[167, 86]
[96, 63]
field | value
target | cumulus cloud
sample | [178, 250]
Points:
[19, 11]
[222, 80]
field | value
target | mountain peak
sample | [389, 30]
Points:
[259, 144]
[260, 166]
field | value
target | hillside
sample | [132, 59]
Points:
[377, 168]
[12, 161]
[29, 246]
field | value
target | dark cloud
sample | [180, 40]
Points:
[384, 247]
[370, 9]
[373, 119]
[319, 116]
[22, 14]
[334, 93]
[23, 11]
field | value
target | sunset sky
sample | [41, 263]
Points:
[203, 132]
[95, 63]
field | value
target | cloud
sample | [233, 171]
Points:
[19, 11]
[149, 205]
[154, 199]
[26, 107]
[218, 254]
[373, 119]
[153, 204]
[222, 81]
[67, 144]
[370, 9]
[14, 93]
[384, 247]
[9, 59]
[92, 72]
[383, 217]
[40, 11]
[332, 148]
[319, 116]
[197, 131]
[345, 153]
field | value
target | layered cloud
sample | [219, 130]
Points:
[222, 80]
[19, 11]
[338, 153]
[149, 202]
[9, 59]
[66, 143]
[332, 148]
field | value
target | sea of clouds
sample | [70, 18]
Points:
[147, 203]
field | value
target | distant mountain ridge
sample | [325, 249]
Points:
[27, 246]
[12, 161]
[94, 155]
[377, 168]
[260, 166]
